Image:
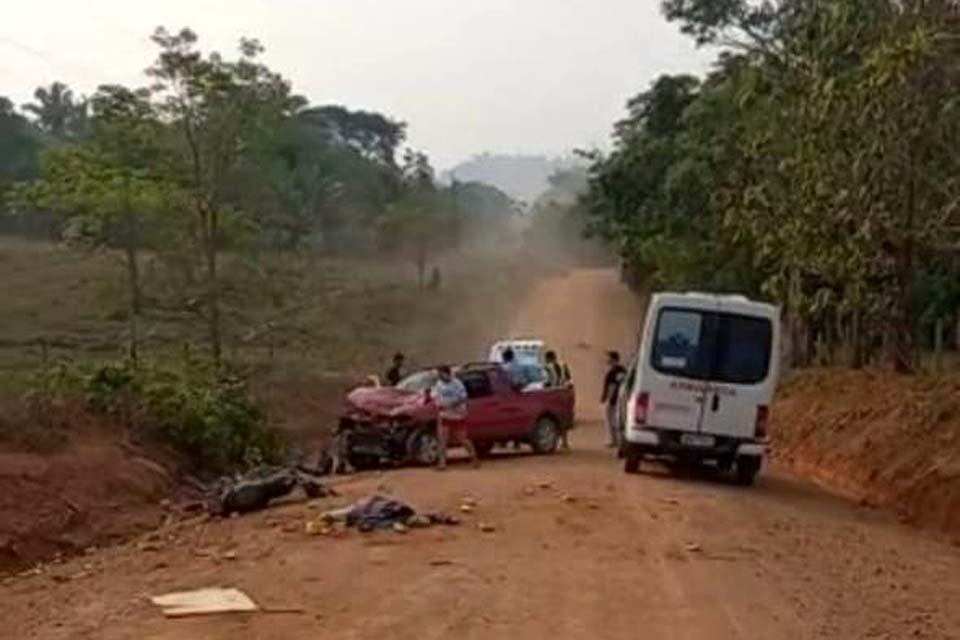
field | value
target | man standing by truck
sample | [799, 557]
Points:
[395, 373]
[558, 375]
[450, 397]
[611, 391]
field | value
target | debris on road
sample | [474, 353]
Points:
[377, 512]
[693, 547]
[255, 490]
[486, 527]
[441, 562]
[204, 602]
[419, 521]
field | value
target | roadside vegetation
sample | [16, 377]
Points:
[814, 166]
[167, 245]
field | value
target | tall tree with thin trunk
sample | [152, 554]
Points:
[218, 112]
[107, 187]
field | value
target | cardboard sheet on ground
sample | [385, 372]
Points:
[203, 602]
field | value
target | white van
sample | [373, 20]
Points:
[702, 382]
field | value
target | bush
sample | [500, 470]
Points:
[211, 417]
[203, 412]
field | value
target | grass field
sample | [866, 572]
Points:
[326, 314]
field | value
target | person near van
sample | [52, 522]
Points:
[395, 372]
[611, 391]
[450, 396]
[513, 369]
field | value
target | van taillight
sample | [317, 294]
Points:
[763, 420]
[640, 408]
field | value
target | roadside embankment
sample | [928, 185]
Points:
[890, 441]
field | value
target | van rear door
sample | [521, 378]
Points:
[742, 376]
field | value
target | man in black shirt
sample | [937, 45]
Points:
[395, 373]
[611, 390]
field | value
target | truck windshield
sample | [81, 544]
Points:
[704, 345]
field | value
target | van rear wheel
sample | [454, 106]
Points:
[747, 469]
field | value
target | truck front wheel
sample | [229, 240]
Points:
[424, 448]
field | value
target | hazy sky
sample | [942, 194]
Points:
[530, 76]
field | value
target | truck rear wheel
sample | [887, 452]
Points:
[631, 458]
[546, 435]
[483, 448]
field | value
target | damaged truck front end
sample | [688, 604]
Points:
[374, 441]
[388, 427]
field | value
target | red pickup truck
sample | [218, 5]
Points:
[398, 424]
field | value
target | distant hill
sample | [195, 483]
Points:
[522, 177]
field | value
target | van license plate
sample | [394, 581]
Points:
[697, 440]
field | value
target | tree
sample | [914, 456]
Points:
[821, 121]
[375, 136]
[419, 223]
[332, 170]
[19, 146]
[57, 113]
[108, 188]
[219, 113]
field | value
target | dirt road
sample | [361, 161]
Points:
[578, 550]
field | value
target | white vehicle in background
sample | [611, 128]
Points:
[530, 354]
[701, 385]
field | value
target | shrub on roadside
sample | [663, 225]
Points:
[206, 413]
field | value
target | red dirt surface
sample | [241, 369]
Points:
[578, 549]
[888, 440]
[92, 490]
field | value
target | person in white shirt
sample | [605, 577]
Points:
[450, 397]
[514, 369]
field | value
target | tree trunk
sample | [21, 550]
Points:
[131, 240]
[938, 331]
[213, 286]
[856, 340]
[422, 269]
[904, 343]
[136, 299]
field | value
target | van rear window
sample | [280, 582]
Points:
[704, 345]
